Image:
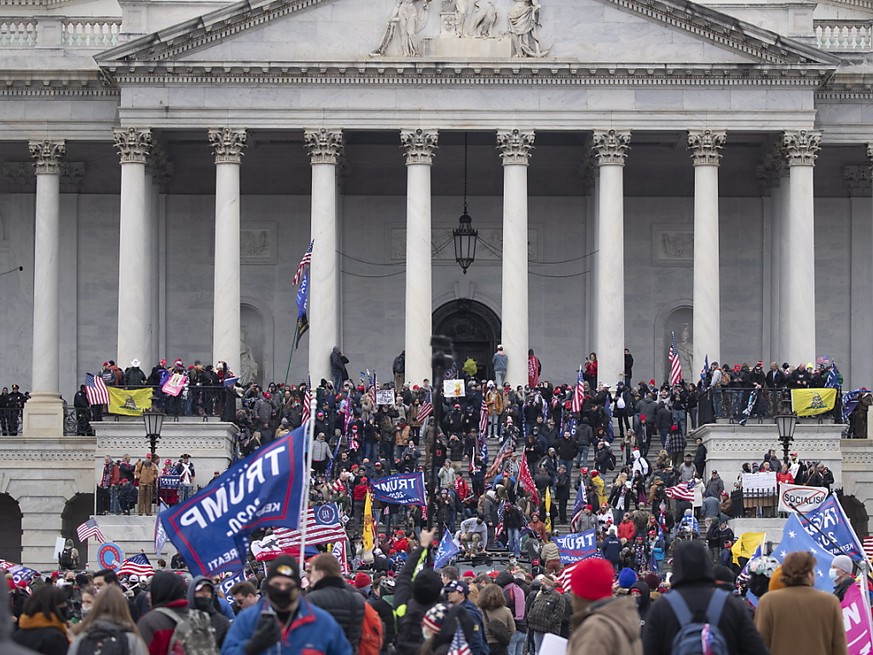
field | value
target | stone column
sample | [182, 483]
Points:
[134, 294]
[515, 149]
[158, 173]
[610, 147]
[798, 286]
[227, 148]
[705, 146]
[44, 414]
[420, 147]
[325, 148]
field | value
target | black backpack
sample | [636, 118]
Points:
[100, 640]
[66, 560]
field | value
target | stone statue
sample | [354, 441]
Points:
[406, 21]
[686, 351]
[462, 12]
[247, 363]
[524, 24]
[484, 19]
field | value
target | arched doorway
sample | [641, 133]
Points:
[10, 529]
[474, 328]
[77, 510]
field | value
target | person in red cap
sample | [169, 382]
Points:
[601, 623]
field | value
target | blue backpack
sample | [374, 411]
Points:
[698, 635]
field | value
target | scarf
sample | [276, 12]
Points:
[37, 621]
[517, 594]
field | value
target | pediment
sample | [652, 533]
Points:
[587, 32]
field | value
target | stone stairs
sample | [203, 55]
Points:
[133, 534]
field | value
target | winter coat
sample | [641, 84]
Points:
[145, 473]
[42, 635]
[157, 629]
[803, 615]
[320, 451]
[136, 646]
[501, 615]
[343, 603]
[610, 626]
[546, 611]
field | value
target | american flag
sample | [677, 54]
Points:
[684, 491]
[307, 401]
[96, 390]
[459, 643]
[867, 544]
[307, 259]
[483, 418]
[563, 579]
[373, 385]
[578, 394]
[675, 364]
[502, 455]
[705, 367]
[322, 529]
[90, 529]
[426, 408]
[137, 565]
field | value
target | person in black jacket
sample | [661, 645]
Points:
[415, 594]
[693, 578]
[43, 624]
[330, 592]
[384, 586]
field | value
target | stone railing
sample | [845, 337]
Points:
[91, 32]
[844, 36]
[17, 32]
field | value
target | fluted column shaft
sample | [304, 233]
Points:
[134, 289]
[705, 149]
[798, 299]
[325, 148]
[515, 148]
[420, 147]
[227, 148]
[610, 149]
[49, 156]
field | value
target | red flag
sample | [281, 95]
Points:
[526, 480]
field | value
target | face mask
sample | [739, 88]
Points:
[282, 597]
[832, 574]
[203, 604]
[86, 610]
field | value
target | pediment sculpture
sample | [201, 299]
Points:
[468, 28]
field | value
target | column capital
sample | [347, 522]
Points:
[133, 144]
[515, 146]
[610, 147]
[801, 147]
[705, 146]
[48, 156]
[324, 146]
[227, 144]
[420, 145]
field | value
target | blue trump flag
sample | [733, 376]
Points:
[211, 530]
[829, 527]
[575, 547]
[795, 539]
[401, 489]
[447, 549]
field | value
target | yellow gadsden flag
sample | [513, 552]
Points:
[809, 402]
[369, 527]
[548, 511]
[746, 544]
[129, 402]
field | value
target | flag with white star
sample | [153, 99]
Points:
[795, 539]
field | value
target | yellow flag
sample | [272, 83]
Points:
[129, 402]
[810, 402]
[369, 526]
[548, 510]
[746, 544]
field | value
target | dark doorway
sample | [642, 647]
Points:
[857, 514]
[10, 529]
[78, 509]
[474, 328]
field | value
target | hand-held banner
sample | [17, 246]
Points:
[799, 498]
[211, 529]
[401, 489]
[575, 547]
[834, 533]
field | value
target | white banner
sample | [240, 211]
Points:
[384, 397]
[453, 389]
[759, 482]
[797, 497]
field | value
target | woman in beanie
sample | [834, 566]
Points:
[601, 623]
[438, 628]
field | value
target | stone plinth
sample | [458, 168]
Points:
[452, 46]
[134, 534]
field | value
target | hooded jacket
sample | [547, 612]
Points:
[156, 629]
[7, 646]
[219, 622]
[607, 626]
[44, 635]
[693, 578]
[343, 603]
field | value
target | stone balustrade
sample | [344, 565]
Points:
[844, 36]
[91, 32]
[17, 32]
[70, 33]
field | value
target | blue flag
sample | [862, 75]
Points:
[303, 295]
[448, 548]
[795, 539]
[400, 489]
[833, 381]
[834, 533]
[211, 530]
[575, 547]
[228, 583]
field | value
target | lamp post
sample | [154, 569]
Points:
[464, 236]
[153, 420]
[785, 424]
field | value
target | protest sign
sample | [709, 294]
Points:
[575, 547]
[384, 397]
[401, 489]
[796, 497]
[759, 482]
[856, 619]
[211, 530]
[453, 389]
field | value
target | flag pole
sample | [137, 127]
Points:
[291, 354]
[304, 498]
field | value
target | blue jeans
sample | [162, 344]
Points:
[517, 642]
[114, 505]
[514, 536]
[679, 419]
[582, 457]
[568, 463]
[499, 378]
[538, 640]
[185, 492]
[370, 449]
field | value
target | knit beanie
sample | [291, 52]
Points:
[592, 579]
[427, 587]
[286, 566]
[776, 581]
[653, 580]
[627, 578]
[435, 617]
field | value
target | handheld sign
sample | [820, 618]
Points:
[110, 555]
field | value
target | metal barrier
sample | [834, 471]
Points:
[745, 404]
